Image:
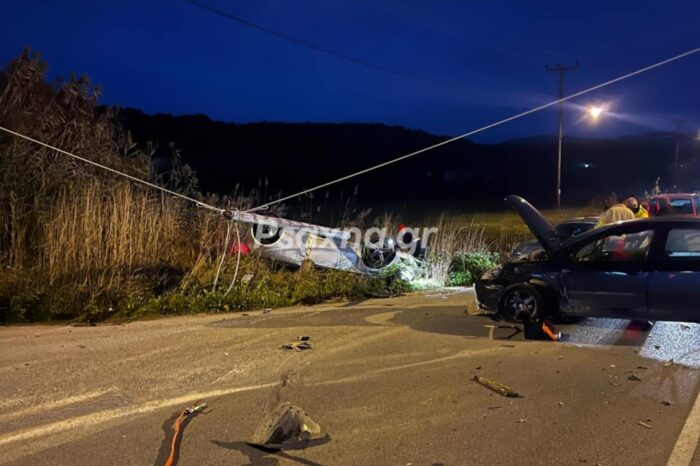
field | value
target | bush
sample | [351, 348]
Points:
[466, 267]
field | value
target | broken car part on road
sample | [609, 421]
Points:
[287, 427]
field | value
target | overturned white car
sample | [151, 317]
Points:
[370, 253]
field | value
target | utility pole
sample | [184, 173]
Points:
[561, 70]
[679, 124]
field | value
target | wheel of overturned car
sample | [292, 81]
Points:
[521, 303]
[265, 234]
[378, 254]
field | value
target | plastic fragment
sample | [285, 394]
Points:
[286, 427]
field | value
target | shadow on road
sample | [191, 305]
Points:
[259, 456]
[446, 320]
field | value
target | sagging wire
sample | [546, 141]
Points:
[484, 128]
[374, 167]
[115, 171]
[223, 256]
[238, 261]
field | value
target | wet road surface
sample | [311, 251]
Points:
[389, 380]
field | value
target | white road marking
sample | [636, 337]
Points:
[44, 407]
[111, 414]
[687, 442]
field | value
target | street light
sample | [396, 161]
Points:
[595, 112]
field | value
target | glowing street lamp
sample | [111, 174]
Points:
[595, 111]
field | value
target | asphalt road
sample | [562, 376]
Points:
[389, 380]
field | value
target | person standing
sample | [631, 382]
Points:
[616, 213]
[637, 209]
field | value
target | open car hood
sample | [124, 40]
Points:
[544, 232]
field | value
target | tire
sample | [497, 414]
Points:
[521, 303]
[378, 255]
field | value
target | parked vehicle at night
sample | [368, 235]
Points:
[646, 269]
[674, 204]
[565, 230]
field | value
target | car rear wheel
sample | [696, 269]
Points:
[521, 303]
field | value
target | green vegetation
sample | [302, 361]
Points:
[81, 243]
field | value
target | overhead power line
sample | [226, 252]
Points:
[366, 170]
[484, 128]
[115, 171]
[308, 45]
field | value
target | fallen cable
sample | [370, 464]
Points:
[178, 430]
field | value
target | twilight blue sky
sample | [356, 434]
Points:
[475, 62]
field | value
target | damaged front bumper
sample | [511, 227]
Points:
[487, 295]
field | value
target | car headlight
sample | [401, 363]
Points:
[491, 274]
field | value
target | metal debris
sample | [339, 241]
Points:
[298, 346]
[644, 424]
[497, 387]
[286, 427]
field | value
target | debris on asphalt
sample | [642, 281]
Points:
[666, 403]
[497, 387]
[477, 368]
[267, 311]
[613, 365]
[685, 327]
[521, 421]
[494, 407]
[642, 367]
[644, 424]
[245, 314]
[561, 403]
[286, 427]
[634, 378]
[560, 357]
[508, 346]
[304, 338]
[298, 346]
[492, 328]
[657, 347]
[669, 363]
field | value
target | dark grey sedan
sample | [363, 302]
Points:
[646, 269]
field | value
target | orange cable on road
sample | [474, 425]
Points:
[177, 430]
